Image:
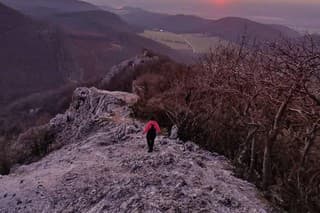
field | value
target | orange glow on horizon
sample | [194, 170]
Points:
[220, 2]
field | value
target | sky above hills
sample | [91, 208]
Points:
[300, 14]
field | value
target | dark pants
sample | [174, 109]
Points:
[150, 141]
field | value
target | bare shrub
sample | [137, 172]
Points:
[30, 146]
[259, 107]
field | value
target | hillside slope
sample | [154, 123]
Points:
[100, 39]
[39, 8]
[33, 56]
[103, 166]
[95, 20]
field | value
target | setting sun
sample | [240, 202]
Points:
[220, 2]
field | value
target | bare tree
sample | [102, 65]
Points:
[259, 107]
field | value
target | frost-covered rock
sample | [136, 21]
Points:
[174, 132]
[104, 166]
[128, 65]
[91, 109]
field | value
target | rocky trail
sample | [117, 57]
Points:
[104, 166]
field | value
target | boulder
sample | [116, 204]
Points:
[174, 132]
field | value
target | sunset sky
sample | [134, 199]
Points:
[303, 14]
[213, 2]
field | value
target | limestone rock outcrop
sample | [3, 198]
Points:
[104, 166]
[128, 66]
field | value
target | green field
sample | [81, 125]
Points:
[197, 43]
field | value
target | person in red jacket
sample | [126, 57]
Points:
[151, 129]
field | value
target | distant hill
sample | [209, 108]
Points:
[94, 21]
[13, 19]
[230, 28]
[316, 38]
[68, 49]
[95, 54]
[48, 7]
[287, 31]
[33, 57]
[100, 39]
[89, 43]
[97, 39]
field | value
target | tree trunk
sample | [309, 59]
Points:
[267, 161]
[252, 157]
[309, 141]
[272, 136]
[266, 166]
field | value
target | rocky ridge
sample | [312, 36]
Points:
[129, 65]
[103, 166]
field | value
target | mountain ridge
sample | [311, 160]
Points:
[230, 28]
[39, 8]
[49, 64]
[101, 165]
[98, 18]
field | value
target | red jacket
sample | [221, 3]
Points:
[149, 125]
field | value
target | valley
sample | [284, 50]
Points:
[195, 43]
